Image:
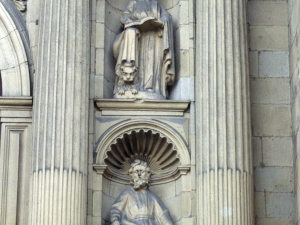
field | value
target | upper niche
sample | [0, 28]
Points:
[147, 145]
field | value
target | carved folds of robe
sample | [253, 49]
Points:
[139, 207]
[148, 46]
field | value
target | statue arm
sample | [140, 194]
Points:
[118, 208]
[162, 213]
[127, 12]
[165, 218]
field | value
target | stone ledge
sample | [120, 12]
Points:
[15, 101]
[15, 109]
[141, 107]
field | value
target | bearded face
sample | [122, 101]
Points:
[140, 177]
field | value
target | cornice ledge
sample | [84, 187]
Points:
[15, 101]
[141, 105]
[99, 168]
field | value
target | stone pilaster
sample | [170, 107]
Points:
[60, 120]
[223, 124]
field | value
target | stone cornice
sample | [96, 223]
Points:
[131, 106]
[15, 101]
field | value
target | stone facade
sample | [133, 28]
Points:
[233, 133]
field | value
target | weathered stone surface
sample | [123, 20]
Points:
[274, 221]
[274, 179]
[280, 205]
[253, 63]
[257, 151]
[278, 151]
[267, 13]
[273, 64]
[268, 38]
[260, 204]
[271, 120]
[270, 91]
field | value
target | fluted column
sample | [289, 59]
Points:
[60, 114]
[223, 124]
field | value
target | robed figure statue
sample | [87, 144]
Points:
[144, 52]
[138, 205]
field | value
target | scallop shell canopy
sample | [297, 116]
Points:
[147, 145]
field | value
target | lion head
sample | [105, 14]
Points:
[128, 73]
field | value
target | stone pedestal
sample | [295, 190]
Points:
[223, 125]
[60, 120]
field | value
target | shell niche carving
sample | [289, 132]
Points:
[148, 145]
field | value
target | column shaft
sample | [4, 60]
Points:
[60, 114]
[223, 125]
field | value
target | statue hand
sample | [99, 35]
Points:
[121, 92]
[116, 223]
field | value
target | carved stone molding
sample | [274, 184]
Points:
[135, 106]
[21, 5]
[156, 143]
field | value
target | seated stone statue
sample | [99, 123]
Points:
[138, 205]
[146, 43]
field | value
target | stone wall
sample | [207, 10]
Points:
[271, 112]
[294, 16]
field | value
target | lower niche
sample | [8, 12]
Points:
[176, 200]
[147, 145]
[162, 148]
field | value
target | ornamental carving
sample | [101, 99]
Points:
[147, 145]
[21, 5]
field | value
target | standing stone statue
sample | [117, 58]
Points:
[144, 52]
[138, 205]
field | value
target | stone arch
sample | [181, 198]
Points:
[149, 140]
[14, 52]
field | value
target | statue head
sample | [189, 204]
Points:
[128, 72]
[140, 173]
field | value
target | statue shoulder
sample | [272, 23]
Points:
[154, 196]
[128, 190]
